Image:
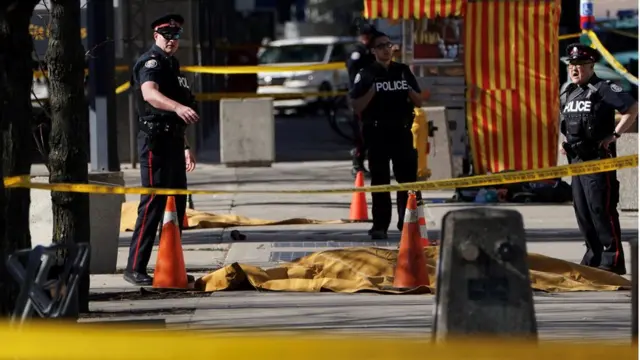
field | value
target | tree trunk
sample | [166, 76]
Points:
[15, 117]
[68, 158]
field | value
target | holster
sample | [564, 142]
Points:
[159, 127]
[584, 150]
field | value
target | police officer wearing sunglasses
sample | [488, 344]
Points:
[165, 106]
[385, 93]
[589, 128]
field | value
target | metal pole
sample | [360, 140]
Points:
[101, 58]
[403, 53]
[133, 130]
[634, 290]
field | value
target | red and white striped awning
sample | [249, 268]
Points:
[412, 9]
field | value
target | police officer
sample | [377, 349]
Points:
[360, 58]
[165, 107]
[588, 106]
[385, 93]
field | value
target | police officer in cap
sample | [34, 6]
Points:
[588, 106]
[359, 58]
[165, 107]
[385, 94]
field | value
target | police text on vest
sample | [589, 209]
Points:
[578, 106]
[183, 82]
[398, 85]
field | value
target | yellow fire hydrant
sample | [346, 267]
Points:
[420, 130]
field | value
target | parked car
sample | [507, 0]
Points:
[303, 51]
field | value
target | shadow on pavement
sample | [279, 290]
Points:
[338, 237]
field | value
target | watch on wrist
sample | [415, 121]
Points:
[616, 135]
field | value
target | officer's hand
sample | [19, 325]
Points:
[607, 141]
[189, 160]
[561, 149]
[187, 114]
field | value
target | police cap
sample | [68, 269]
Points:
[367, 29]
[168, 21]
[581, 52]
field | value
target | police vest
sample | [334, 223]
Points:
[359, 58]
[584, 117]
[172, 85]
[390, 106]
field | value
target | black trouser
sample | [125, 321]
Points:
[386, 144]
[595, 200]
[359, 151]
[162, 165]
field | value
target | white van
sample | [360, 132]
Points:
[298, 84]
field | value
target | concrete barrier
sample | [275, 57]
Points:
[439, 158]
[483, 284]
[627, 144]
[247, 132]
[105, 211]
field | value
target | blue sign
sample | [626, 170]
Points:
[586, 9]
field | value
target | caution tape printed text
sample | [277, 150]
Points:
[590, 167]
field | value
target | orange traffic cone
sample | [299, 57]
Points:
[411, 266]
[358, 210]
[170, 270]
[185, 220]
[422, 223]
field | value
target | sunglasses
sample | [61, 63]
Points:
[386, 45]
[170, 34]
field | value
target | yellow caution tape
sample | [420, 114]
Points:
[240, 95]
[589, 167]
[610, 59]
[225, 70]
[222, 70]
[122, 88]
[86, 341]
[569, 36]
[228, 70]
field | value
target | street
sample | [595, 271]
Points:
[551, 230]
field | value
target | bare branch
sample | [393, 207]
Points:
[44, 3]
[88, 55]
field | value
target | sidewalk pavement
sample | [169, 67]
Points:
[551, 229]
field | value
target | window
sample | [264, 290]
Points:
[338, 54]
[299, 53]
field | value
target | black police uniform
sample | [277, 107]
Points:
[387, 122]
[360, 58]
[161, 149]
[588, 117]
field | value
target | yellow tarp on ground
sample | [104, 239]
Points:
[203, 220]
[371, 269]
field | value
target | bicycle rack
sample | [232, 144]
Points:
[46, 297]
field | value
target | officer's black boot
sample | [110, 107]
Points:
[378, 234]
[136, 278]
[140, 279]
